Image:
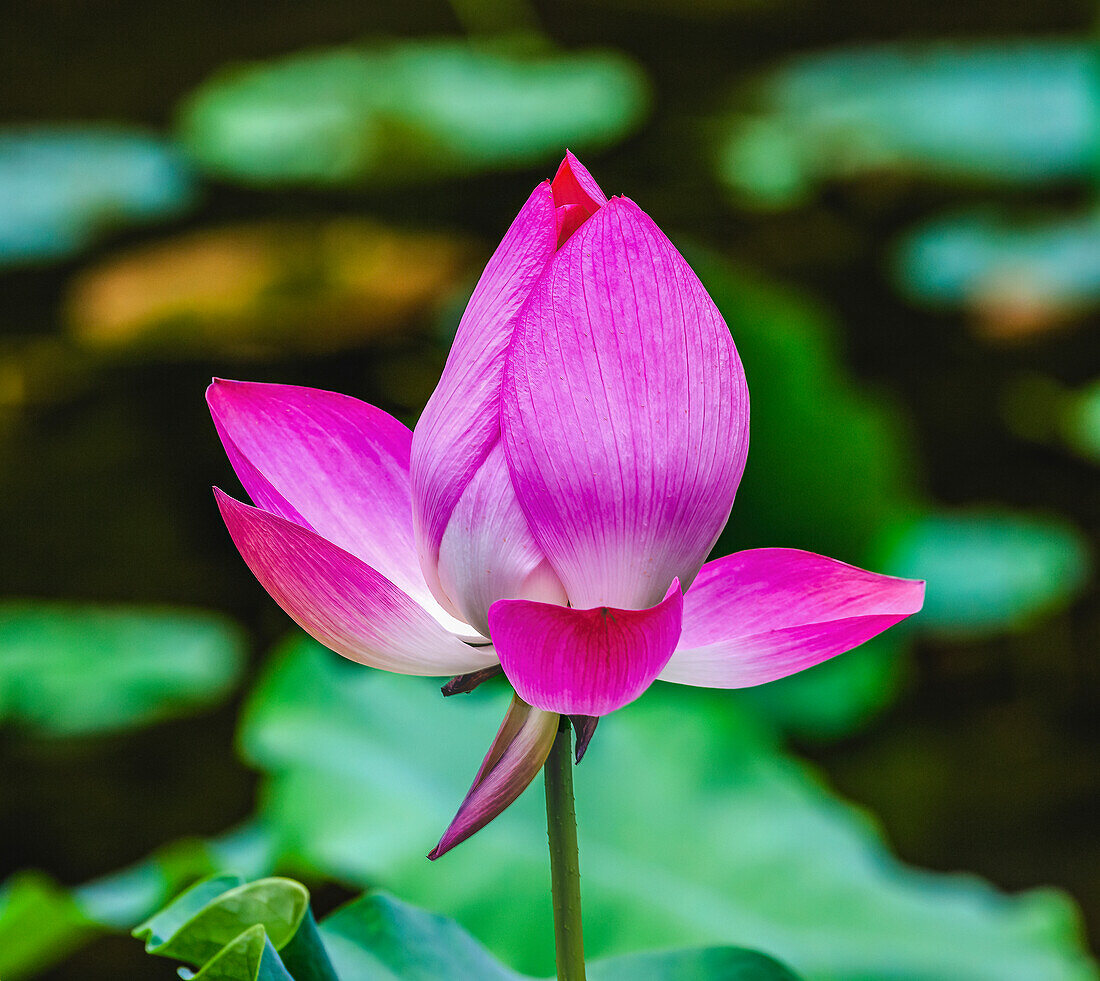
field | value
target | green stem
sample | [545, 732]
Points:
[565, 870]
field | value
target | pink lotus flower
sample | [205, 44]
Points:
[554, 508]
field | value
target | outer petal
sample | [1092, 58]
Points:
[460, 423]
[487, 552]
[333, 464]
[584, 662]
[624, 413]
[756, 616]
[515, 758]
[341, 601]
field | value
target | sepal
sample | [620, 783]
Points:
[517, 754]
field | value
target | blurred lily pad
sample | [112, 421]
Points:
[1018, 277]
[989, 571]
[61, 187]
[40, 922]
[1002, 112]
[283, 287]
[67, 669]
[694, 828]
[264, 931]
[407, 112]
[1081, 422]
[380, 937]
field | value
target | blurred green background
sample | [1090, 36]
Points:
[896, 207]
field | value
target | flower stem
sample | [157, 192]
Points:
[565, 871]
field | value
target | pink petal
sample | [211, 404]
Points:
[341, 601]
[515, 758]
[584, 662]
[624, 413]
[487, 552]
[756, 616]
[332, 464]
[460, 423]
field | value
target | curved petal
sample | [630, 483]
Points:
[341, 601]
[624, 413]
[487, 552]
[584, 662]
[513, 761]
[460, 423]
[759, 615]
[332, 464]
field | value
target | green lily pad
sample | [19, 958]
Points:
[68, 669]
[216, 911]
[1004, 112]
[379, 938]
[159, 929]
[989, 571]
[1081, 421]
[694, 829]
[250, 957]
[408, 111]
[40, 922]
[231, 929]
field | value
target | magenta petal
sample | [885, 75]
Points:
[460, 423]
[624, 413]
[513, 761]
[341, 601]
[584, 662]
[332, 464]
[759, 615]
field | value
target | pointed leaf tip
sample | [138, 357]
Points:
[585, 727]
[517, 754]
[463, 684]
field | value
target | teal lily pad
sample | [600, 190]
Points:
[1018, 276]
[61, 187]
[989, 571]
[1015, 112]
